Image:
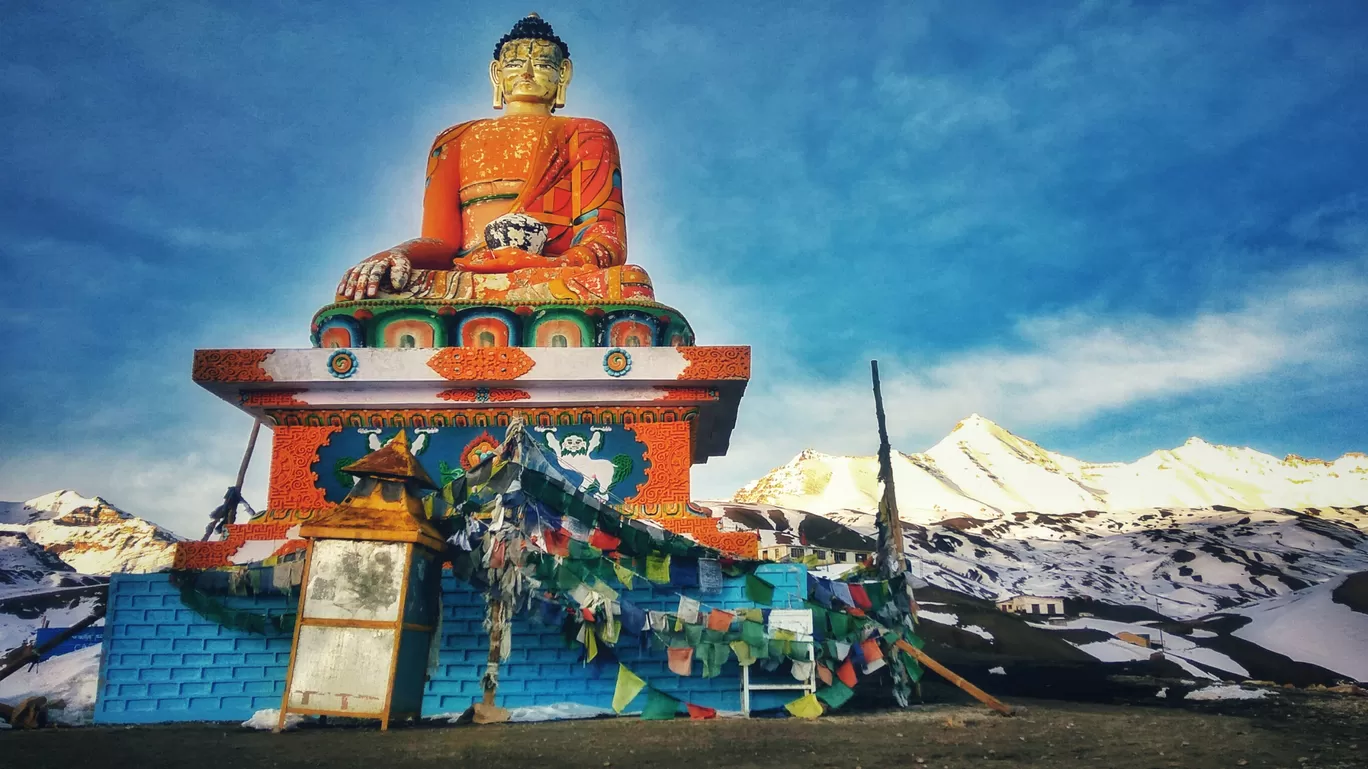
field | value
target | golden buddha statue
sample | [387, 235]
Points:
[525, 207]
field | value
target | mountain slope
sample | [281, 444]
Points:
[89, 534]
[985, 471]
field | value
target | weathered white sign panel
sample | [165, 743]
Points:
[352, 580]
[796, 621]
[342, 669]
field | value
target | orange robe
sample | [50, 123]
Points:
[562, 171]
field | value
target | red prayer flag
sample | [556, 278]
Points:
[872, 652]
[846, 672]
[604, 541]
[557, 541]
[859, 596]
[720, 620]
[824, 674]
[698, 712]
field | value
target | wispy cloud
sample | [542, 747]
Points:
[1056, 370]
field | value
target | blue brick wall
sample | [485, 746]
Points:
[541, 670]
[163, 662]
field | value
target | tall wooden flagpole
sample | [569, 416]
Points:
[892, 561]
[891, 546]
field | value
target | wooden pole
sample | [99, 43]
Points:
[954, 678]
[891, 523]
[495, 641]
[247, 455]
[35, 653]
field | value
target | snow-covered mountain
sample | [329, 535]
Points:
[88, 534]
[983, 471]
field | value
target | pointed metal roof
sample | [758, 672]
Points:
[392, 461]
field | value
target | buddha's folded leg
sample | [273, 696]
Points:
[532, 285]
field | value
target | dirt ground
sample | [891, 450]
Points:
[1302, 732]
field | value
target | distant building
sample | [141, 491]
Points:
[1138, 639]
[783, 548]
[1033, 604]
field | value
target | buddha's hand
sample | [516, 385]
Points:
[364, 280]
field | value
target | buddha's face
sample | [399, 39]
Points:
[530, 71]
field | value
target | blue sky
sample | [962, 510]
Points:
[1107, 226]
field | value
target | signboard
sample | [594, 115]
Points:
[796, 621]
[91, 636]
[351, 580]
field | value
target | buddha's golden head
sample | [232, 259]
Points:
[531, 65]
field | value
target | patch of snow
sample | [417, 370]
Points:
[1226, 692]
[978, 631]
[267, 719]
[1199, 633]
[1309, 626]
[71, 679]
[1162, 693]
[560, 711]
[940, 618]
[997, 671]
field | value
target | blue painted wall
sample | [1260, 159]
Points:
[163, 662]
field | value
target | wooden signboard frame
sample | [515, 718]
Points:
[397, 626]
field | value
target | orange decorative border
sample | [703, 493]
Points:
[482, 417]
[668, 393]
[707, 531]
[481, 363]
[716, 362]
[669, 450]
[209, 555]
[230, 366]
[294, 484]
[270, 398]
[484, 395]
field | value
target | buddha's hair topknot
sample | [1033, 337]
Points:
[532, 27]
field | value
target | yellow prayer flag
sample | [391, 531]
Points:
[806, 706]
[658, 568]
[590, 646]
[624, 575]
[629, 685]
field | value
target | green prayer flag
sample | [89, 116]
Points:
[753, 633]
[798, 650]
[693, 634]
[714, 656]
[759, 591]
[629, 685]
[583, 551]
[835, 695]
[744, 656]
[878, 594]
[610, 522]
[840, 625]
[659, 706]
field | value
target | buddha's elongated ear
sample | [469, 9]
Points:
[567, 71]
[497, 82]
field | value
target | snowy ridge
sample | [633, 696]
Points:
[89, 534]
[984, 471]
